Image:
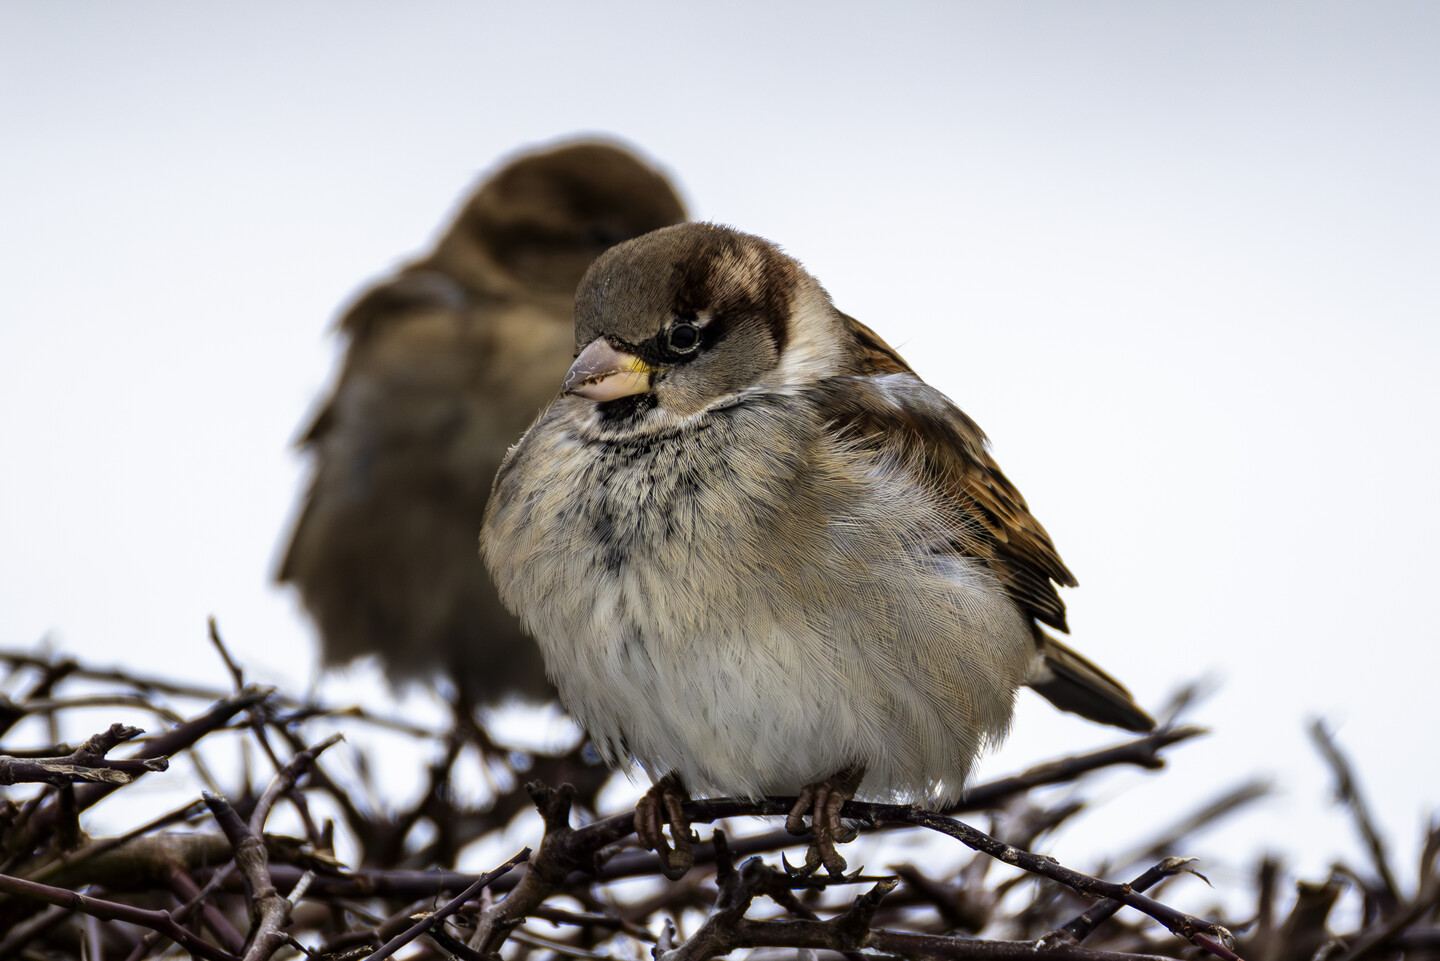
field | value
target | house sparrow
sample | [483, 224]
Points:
[762, 557]
[446, 365]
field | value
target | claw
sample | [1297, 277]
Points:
[664, 801]
[823, 801]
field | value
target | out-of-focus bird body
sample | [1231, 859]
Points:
[446, 365]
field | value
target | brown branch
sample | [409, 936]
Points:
[561, 948]
[779, 888]
[114, 911]
[192, 898]
[52, 671]
[197, 901]
[565, 852]
[67, 822]
[1366, 943]
[427, 924]
[300, 709]
[30, 929]
[144, 862]
[605, 921]
[88, 763]
[960, 906]
[269, 909]
[1081, 927]
[363, 825]
[116, 675]
[559, 855]
[1348, 793]
[258, 720]
[1188, 927]
[237, 676]
[1141, 752]
[285, 778]
[1182, 925]
[180, 737]
[922, 947]
[50, 707]
[345, 907]
[727, 929]
[1169, 838]
[1303, 931]
[87, 865]
[51, 815]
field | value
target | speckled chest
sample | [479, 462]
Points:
[683, 502]
[675, 521]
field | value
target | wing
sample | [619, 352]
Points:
[883, 403]
[381, 308]
[346, 440]
[890, 405]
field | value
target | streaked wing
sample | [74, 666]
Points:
[881, 402]
[888, 405]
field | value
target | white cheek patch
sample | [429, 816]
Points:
[815, 347]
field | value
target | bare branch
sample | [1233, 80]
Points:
[727, 929]
[1142, 751]
[1081, 927]
[86, 764]
[269, 909]
[114, 911]
[1347, 792]
[429, 923]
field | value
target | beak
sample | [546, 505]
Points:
[603, 373]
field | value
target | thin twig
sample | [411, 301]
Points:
[114, 911]
[1347, 792]
[454, 904]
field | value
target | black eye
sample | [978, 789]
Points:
[683, 338]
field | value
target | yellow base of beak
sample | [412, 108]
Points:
[603, 373]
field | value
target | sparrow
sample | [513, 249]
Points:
[762, 557]
[446, 364]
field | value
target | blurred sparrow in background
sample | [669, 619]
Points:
[762, 557]
[447, 363]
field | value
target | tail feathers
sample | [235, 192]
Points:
[1072, 683]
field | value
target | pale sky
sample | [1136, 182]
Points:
[1179, 260]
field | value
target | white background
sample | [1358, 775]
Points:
[1179, 260]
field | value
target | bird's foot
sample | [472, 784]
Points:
[823, 801]
[660, 804]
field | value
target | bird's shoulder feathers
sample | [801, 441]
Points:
[881, 402]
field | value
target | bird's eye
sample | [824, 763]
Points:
[683, 338]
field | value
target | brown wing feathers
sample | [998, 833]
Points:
[951, 447]
[995, 523]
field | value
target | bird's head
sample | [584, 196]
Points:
[687, 316]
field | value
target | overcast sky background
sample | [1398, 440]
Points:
[1181, 261]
